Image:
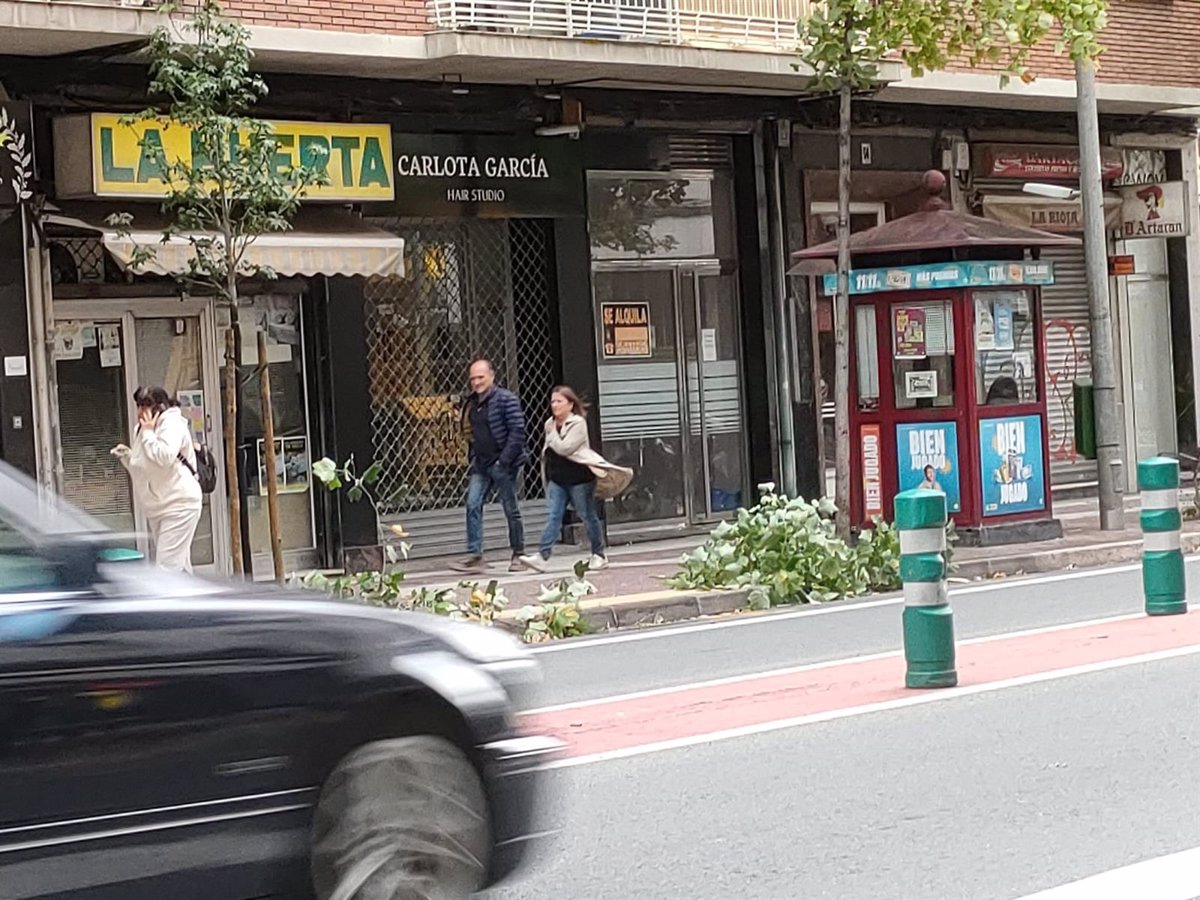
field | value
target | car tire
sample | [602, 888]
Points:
[402, 819]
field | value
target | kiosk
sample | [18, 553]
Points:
[947, 372]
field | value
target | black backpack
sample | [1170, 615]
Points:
[205, 469]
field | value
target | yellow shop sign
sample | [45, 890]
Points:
[357, 157]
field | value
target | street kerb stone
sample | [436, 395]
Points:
[658, 607]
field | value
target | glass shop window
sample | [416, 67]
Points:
[923, 354]
[866, 345]
[1005, 362]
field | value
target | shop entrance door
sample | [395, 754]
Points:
[669, 353]
[103, 352]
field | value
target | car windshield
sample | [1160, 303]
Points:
[23, 509]
[35, 534]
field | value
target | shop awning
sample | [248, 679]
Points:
[322, 241]
[1058, 216]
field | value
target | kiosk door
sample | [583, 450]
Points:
[908, 400]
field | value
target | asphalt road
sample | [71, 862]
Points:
[590, 668]
[988, 796]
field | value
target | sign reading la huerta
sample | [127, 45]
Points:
[488, 176]
[101, 156]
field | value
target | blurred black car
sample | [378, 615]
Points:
[165, 737]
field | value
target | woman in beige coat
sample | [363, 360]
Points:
[573, 472]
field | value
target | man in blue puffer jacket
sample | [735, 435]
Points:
[497, 454]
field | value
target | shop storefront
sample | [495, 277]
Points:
[1141, 301]
[623, 282]
[667, 324]
[670, 249]
[118, 323]
[479, 216]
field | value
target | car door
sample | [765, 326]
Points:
[148, 745]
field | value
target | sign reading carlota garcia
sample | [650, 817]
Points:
[488, 176]
[100, 156]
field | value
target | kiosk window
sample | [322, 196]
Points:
[1005, 368]
[923, 354]
[867, 358]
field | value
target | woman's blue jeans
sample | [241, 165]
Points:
[583, 498]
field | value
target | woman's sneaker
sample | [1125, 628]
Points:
[533, 561]
[597, 562]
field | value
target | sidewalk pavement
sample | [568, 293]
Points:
[632, 592]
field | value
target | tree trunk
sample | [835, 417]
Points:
[231, 466]
[841, 323]
[268, 414]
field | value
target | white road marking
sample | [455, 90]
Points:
[1172, 877]
[831, 609]
[932, 696]
[826, 664]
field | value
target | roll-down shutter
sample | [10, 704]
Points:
[1068, 358]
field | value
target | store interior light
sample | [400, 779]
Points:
[571, 131]
[456, 86]
[1052, 191]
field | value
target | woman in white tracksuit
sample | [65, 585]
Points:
[162, 466]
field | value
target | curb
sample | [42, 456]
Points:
[651, 608]
[1061, 559]
[660, 607]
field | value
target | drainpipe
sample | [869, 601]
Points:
[785, 410]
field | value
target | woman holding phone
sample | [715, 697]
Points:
[162, 466]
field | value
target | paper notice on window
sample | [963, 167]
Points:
[109, 339]
[708, 344]
[68, 340]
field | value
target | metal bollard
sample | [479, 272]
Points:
[1164, 580]
[928, 621]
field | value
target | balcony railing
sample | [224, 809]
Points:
[748, 24]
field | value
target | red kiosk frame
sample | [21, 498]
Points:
[947, 368]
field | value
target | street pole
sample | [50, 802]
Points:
[1095, 245]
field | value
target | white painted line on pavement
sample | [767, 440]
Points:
[841, 607]
[884, 706]
[826, 664]
[1172, 877]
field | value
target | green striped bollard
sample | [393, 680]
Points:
[1163, 579]
[928, 621]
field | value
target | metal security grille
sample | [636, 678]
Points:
[472, 287]
[76, 260]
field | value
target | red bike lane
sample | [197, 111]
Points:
[689, 713]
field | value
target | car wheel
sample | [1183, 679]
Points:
[402, 819]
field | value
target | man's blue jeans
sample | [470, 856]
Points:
[505, 482]
[583, 498]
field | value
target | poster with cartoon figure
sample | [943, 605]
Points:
[1013, 474]
[927, 458]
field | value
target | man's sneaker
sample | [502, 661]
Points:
[518, 563]
[597, 562]
[533, 561]
[470, 565]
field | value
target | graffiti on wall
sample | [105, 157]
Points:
[1068, 357]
